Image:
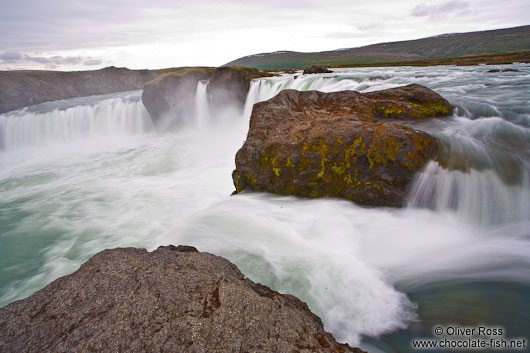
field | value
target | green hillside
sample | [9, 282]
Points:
[501, 41]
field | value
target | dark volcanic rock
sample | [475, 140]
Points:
[172, 96]
[174, 299]
[315, 144]
[22, 88]
[229, 86]
[315, 69]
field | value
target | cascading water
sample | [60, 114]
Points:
[459, 254]
[479, 196]
[202, 105]
[59, 122]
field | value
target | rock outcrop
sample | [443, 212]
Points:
[229, 86]
[172, 96]
[316, 69]
[174, 299]
[342, 144]
[19, 89]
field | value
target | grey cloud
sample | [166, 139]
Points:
[10, 56]
[37, 25]
[92, 62]
[72, 60]
[439, 11]
[48, 62]
[41, 60]
[55, 60]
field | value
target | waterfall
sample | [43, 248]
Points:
[485, 174]
[485, 181]
[486, 177]
[57, 122]
[363, 270]
[478, 196]
[202, 105]
[265, 88]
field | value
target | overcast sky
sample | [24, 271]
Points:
[91, 34]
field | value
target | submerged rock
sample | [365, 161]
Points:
[315, 69]
[340, 144]
[171, 96]
[174, 299]
[505, 70]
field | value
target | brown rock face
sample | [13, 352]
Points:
[174, 299]
[316, 69]
[22, 88]
[229, 86]
[171, 96]
[315, 144]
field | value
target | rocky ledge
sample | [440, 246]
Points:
[171, 97]
[173, 94]
[174, 299]
[229, 86]
[315, 69]
[342, 144]
[22, 88]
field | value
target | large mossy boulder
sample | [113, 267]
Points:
[174, 299]
[229, 86]
[171, 97]
[342, 144]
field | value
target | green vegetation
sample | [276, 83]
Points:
[439, 50]
[181, 71]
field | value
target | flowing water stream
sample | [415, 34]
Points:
[82, 175]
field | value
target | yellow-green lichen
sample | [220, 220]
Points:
[243, 180]
[384, 148]
[337, 169]
[413, 109]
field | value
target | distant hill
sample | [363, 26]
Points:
[500, 41]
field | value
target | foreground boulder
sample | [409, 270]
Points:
[341, 144]
[171, 96]
[316, 69]
[174, 299]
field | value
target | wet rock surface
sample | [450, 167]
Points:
[229, 87]
[341, 144]
[171, 97]
[174, 299]
[22, 88]
[315, 69]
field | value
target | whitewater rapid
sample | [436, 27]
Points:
[83, 175]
